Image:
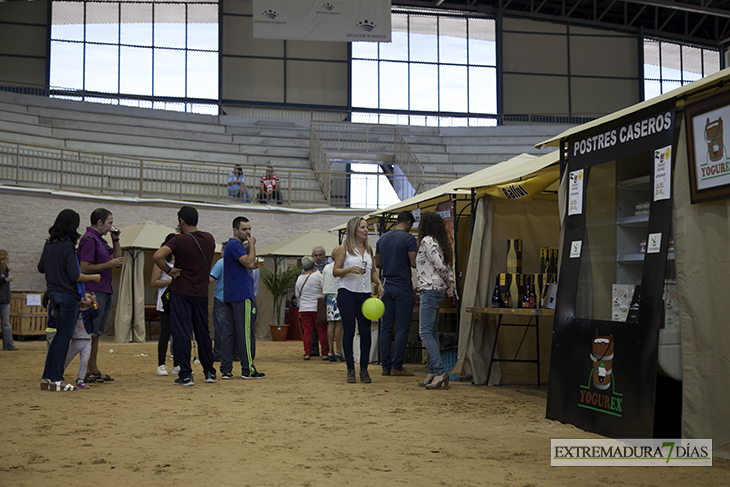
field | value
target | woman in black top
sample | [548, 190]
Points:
[65, 289]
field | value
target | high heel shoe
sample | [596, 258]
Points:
[444, 379]
[429, 379]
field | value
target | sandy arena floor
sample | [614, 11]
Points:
[301, 426]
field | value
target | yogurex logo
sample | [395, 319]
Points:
[631, 452]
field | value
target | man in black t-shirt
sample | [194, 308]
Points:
[193, 251]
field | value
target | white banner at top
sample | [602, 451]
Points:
[322, 20]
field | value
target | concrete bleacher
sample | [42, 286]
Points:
[227, 140]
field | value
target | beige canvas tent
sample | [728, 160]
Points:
[701, 235]
[129, 322]
[496, 218]
[300, 245]
[516, 199]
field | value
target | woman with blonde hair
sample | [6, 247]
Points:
[354, 267]
[435, 282]
[5, 281]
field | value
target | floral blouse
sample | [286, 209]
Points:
[433, 273]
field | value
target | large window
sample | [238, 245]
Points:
[668, 65]
[151, 54]
[438, 70]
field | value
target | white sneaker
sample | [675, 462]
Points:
[176, 370]
[162, 370]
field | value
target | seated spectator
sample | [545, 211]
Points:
[269, 187]
[236, 185]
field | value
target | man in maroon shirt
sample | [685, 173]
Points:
[97, 257]
[193, 251]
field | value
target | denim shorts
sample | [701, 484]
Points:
[333, 312]
[104, 300]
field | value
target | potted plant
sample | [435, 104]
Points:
[278, 285]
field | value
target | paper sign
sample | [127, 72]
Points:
[662, 170]
[416, 216]
[575, 198]
[33, 299]
[653, 243]
[575, 247]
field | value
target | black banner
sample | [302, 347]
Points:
[639, 132]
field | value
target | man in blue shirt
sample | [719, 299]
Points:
[238, 294]
[219, 309]
[395, 253]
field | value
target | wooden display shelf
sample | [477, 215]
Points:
[501, 313]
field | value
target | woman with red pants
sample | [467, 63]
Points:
[308, 290]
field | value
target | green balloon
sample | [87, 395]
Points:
[373, 308]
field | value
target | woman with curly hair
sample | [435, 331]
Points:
[65, 289]
[5, 281]
[435, 282]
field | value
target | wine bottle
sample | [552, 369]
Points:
[496, 300]
[532, 298]
[526, 296]
[507, 298]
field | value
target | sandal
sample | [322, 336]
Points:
[339, 356]
[57, 386]
[93, 378]
[104, 378]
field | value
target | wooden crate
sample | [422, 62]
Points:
[27, 320]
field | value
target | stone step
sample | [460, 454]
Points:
[267, 132]
[247, 140]
[82, 127]
[47, 114]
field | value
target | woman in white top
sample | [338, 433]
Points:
[161, 280]
[330, 286]
[308, 290]
[354, 267]
[435, 282]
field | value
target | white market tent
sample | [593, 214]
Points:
[702, 239]
[533, 217]
[129, 322]
[300, 245]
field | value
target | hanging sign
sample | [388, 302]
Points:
[318, 20]
[523, 190]
[575, 193]
[622, 138]
[662, 173]
[708, 158]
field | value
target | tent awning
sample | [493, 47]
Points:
[713, 81]
[145, 235]
[516, 168]
[520, 167]
[300, 245]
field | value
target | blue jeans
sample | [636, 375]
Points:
[398, 311]
[237, 192]
[350, 305]
[66, 312]
[219, 321]
[8, 343]
[428, 318]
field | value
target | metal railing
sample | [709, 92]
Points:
[373, 142]
[88, 172]
[320, 162]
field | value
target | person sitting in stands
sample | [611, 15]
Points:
[236, 185]
[269, 187]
